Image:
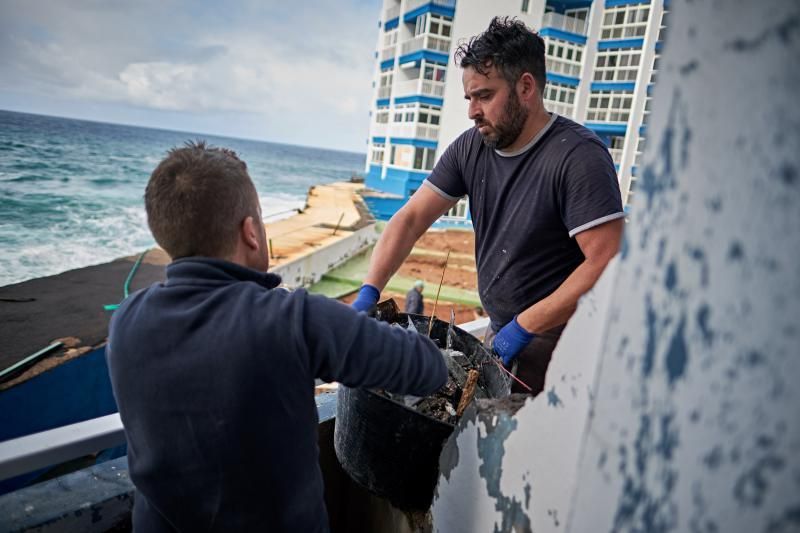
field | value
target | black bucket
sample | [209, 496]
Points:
[393, 450]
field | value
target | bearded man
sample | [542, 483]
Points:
[543, 195]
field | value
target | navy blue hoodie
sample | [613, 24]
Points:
[213, 371]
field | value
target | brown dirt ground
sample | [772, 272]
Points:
[460, 272]
[461, 241]
[464, 313]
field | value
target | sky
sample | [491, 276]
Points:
[291, 72]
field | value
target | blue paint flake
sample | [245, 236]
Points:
[677, 354]
[752, 486]
[671, 278]
[702, 322]
[650, 347]
[735, 251]
[552, 398]
[491, 450]
[714, 458]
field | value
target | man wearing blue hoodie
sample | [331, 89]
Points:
[213, 370]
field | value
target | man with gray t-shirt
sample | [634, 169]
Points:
[543, 194]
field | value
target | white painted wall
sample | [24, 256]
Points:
[690, 342]
[309, 269]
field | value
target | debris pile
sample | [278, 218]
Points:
[463, 384]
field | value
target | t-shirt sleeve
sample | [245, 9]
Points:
[589, 194]
[447, 178]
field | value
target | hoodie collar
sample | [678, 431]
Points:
[207, 269]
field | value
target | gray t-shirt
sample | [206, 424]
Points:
[526, 208]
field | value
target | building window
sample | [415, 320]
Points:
[459, 210]
[434, 24]
[580, 13]
[617, 65]
[559, 98]
[563, 57]
[625, 22]
[377, 153]
[557, 92]
[390, 38]
[609, 106]
[423, 158]
[382, 115]
[526, 4]
[434, 71]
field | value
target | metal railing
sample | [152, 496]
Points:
[388, 52]
[563, 22]
[415, 131]
[616, 155]
[426, 42]
[420, 86]
[559, 66]
[560, 108]
[384, 92]
[379, 129]
[32, 452]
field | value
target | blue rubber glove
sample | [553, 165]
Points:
[510, 340]
[367, 298]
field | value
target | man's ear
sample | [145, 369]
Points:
[249, 233]
[526, 85]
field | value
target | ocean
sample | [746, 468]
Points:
[71, 191]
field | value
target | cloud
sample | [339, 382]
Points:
[308, 70]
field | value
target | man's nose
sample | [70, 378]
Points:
[475, 110]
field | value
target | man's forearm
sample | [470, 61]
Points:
[557, 308]
[392, 248]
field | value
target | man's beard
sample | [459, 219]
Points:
[510, 125]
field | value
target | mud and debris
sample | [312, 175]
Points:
[464, 371]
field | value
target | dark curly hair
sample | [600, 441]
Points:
[196, 199]
[508, 45]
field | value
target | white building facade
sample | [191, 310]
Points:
[601, 60]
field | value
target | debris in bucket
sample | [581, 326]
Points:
[449, 402]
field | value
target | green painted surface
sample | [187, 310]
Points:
[348, 278]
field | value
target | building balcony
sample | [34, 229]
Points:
[561, 22]
[425, 42]
[560, 108]
[420, 86]
[379, 129]
[384, 92]
[414, 130]
[557, 66]
[616, 155]
[388, 53]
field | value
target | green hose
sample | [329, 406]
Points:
[127, 286]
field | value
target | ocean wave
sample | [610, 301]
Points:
[76, 242]
[29, 178]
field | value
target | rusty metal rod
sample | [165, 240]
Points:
[467, 392]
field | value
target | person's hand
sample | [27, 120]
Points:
[367, 298]
[510, 340]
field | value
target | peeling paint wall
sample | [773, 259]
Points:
[685, 411]
[501, 469]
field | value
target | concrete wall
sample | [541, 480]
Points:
[671, 404]
[309, 269]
